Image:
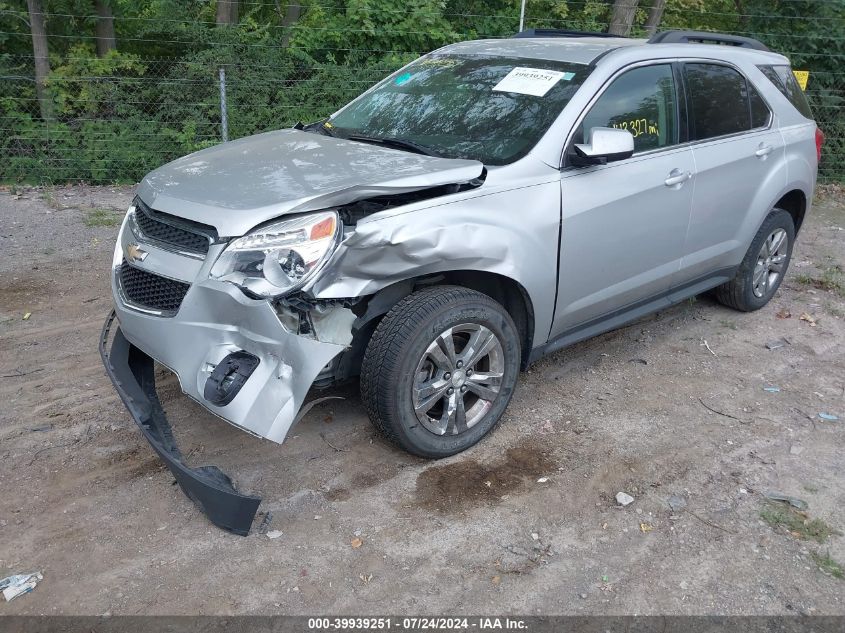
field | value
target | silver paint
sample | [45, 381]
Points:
[237, 185]
[620, 232]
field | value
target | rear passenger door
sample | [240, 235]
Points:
[737, 150]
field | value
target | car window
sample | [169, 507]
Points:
[719, 101]
[488, 108]
[760, 112]
[641, 101]
[784, 80]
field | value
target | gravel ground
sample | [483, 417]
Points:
[649, 410]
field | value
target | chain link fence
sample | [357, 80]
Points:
[115, 126]
[115, 118]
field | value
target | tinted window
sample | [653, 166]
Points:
[759, 110]
[641, 101]
[784, 80]
[718, 98]
[455, 105]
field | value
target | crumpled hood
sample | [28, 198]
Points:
[235, 186]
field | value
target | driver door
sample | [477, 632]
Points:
[624, 223]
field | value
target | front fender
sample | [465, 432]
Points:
[512, 233]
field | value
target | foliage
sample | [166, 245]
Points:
[158, 96]
[798, 524]
[827, 565]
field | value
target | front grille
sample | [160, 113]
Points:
[148, 290]
[182, 234]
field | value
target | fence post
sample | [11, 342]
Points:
[224, 112]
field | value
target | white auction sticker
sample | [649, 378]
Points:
[530, 81]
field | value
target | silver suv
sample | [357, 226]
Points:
[489, 203]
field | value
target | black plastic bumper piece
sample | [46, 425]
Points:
[132, 373]
[228, 377]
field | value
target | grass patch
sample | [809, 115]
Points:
[834, 311]
[828, 565]
[101, 217]
[731, 325]
[798, 524]
[832, 279]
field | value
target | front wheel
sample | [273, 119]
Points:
[440, 370]
[764, 266]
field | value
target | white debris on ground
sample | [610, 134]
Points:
[19, 584]
[624, 499]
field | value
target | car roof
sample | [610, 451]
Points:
[586, 50]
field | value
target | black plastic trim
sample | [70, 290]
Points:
[632, 312]
[704, 37]
[132, 373]
[189, 226]
[237, 365]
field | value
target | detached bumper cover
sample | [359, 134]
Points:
[132, 373]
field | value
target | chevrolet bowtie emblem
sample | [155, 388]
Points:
[134, 253]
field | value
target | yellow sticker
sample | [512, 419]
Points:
[328, 124]
[802, 76]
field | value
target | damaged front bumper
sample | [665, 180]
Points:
[132, 372]
[231, 354]
[216, 321]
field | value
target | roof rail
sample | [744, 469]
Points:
[559, 33]
[705, 37]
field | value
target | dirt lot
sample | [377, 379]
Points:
[86, 501]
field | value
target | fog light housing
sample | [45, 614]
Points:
[228, 377]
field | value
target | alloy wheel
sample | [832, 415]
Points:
[770, 261]
[458, 379]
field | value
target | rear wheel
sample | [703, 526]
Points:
[440, 370]
[764, 266]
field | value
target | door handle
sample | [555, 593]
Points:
[677, 177]
[763, 150]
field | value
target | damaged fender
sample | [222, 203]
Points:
[466, 235]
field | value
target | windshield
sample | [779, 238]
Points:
[491, 109]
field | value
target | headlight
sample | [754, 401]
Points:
[281, 257]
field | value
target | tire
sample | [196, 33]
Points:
[405, 367]
[741, 292]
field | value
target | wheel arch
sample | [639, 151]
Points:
[795, 203]
[506, 291]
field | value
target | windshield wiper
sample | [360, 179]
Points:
[320, 127]
[399, 143]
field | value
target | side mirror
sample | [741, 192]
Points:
[605, 144]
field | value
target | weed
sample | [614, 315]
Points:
[798, 524]
[731, 325]
[828, 565]
[101, 217]
[831, 279]
[834, 310]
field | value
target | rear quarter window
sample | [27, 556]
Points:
[784, 80]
